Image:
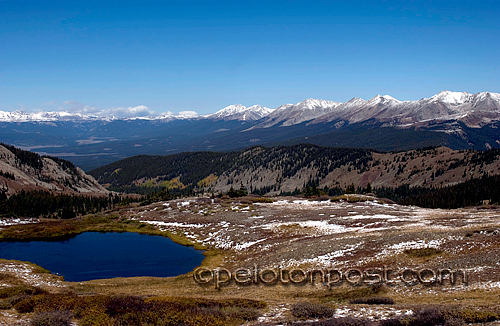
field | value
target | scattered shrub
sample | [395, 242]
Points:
[372, 300]
[392, 322]
[442, 316]
[454, 322]
[322, 198]
[95, 316]
[7, 292]
[422, 252]
[24, 305]
[131, 311]
[52, 318]
[126, 304]
[262, 200]
[428, 317]
[242, 313]
[478, 316]
[5, 305]
[307, 310]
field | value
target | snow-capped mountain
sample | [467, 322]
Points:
[292, 114]
[241, 113]
[21, 116]
[474, 110]
[53, 116]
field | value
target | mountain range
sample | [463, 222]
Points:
[459, 120]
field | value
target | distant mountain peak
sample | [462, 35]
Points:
[384, 99]
[231, 109]
[355, 100]
[312, 103]
[240, 112]
[292, 114]
[452, 98]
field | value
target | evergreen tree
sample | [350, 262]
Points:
[368, 188]
[351, 189]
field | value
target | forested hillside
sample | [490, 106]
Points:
[290, 169]
[203, 169]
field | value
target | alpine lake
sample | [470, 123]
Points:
[101, 255]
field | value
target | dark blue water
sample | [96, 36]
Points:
[94, 255]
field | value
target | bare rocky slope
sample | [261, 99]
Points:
[22, 170]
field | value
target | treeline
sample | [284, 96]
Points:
[45, 204]
[148, 191]
[468, 193]
[166, 194]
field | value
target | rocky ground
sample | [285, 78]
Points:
[300, 232]
[351, 240]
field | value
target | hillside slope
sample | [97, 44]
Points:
[290, 168]
[23, 170]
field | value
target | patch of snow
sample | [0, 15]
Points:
[319, 226]
[247, 244]
[415, 244]
[174, 224]
[16, 221]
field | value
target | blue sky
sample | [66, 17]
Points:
[204, 55]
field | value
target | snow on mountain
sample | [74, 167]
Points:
[475, 110]
[378, 106]
[472, 109]
[356, 109]
[21, 116]
[169, 116]
[291, 114]
[452, 98]
[382, 99]
[240, 112]
[344, 108]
